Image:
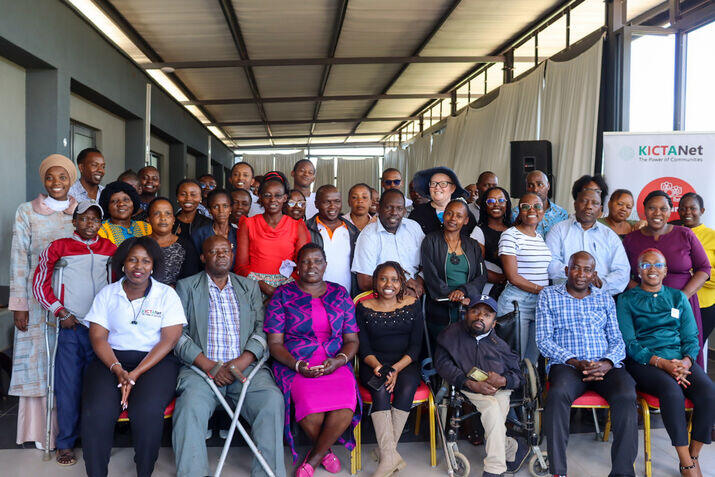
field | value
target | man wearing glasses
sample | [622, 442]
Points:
[538, 183]
[207, 183]
[584, 232]
[392, 179]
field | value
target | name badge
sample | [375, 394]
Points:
[675, 313]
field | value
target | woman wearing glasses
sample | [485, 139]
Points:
[295, 205]
[495, 201]
[688, 264]
[661, 338]
[268, 242]
[525, 259]
[441, 185]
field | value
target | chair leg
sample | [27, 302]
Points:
[607, 429]
[690, 425]
[354, 452]
[646, 437]
[432, 431]
[595, 423]
[418, 419]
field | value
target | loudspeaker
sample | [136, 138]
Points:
[527, 156]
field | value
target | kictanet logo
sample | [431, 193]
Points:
[671, 153]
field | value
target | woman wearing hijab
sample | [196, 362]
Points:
[37, 223]
[120, 202]
[441, 185]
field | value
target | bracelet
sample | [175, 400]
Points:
[66, 317]
[344, 356]
[114, 364]
[657, 359]
[297, 365]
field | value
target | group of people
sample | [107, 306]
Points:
[221, 278]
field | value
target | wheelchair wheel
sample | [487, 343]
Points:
[532, 379]
[536, 469]
[462, 467]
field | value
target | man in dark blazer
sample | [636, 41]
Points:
[224, 338]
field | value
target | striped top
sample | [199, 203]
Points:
[532, 254]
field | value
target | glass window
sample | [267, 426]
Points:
[699, 92]
[652, 83]
[81, 137]
[495, 76]
[586, 18]
[527, 50]
[553, 38]
[462, 99]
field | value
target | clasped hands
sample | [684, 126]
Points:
[126, 380]
[679, 369]
[592, 370]
[489, 386]
[327, 367]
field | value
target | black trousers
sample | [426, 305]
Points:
[407, 382]
[101, 407]
[618, 388]
[672, 400]
[708, 317]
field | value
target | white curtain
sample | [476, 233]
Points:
[285, 162]
[353, 171]
[395, 158]
[570, 117]
[324, 172]
[417, 157]
[261, 163]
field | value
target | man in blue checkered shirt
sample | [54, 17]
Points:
[577, 331]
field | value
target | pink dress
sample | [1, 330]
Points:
[325, 393]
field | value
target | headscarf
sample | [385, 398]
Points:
[58, 160]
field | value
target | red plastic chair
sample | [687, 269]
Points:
[592, 400]
[168, 412]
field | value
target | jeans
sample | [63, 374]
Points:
[527, 318]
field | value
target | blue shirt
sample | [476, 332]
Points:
[552, 216]
[586, 328]
[569, 237]
[376, 245]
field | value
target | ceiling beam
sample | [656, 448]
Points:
[308, 121]
[312, 146]
[305, 136]
[232, 20]
[435, 28]
[321, 99]
[361, 60]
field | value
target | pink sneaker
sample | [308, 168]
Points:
[331, 463]
[304, 469]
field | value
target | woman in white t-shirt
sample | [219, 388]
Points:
[134, 325]
[525, 259]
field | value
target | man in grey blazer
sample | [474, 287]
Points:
[224, 338]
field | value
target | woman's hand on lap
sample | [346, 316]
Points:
[331, 364]
[391, 381]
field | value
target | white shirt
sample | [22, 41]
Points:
[376, 245]
[256, 208]
[337, 251]
[532, 254]
[112, 310]
[310, 208]
[80, 193]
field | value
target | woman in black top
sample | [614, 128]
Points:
[188, 218]
[390, 334]
[497, 218]
[441, 185]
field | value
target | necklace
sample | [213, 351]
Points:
[453, 257]
[136, 314]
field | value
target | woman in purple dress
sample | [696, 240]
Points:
[688, 264]
[312, 336]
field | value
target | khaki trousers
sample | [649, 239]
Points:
[499, 447]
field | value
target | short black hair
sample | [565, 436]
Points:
[483, 216]
[301, 161]
[86, 152]
[206, 175]
[657, 193]
[129, 174]
[273, 176]
[244, 191]
[359, 184]
[619, 192]
[114, 188]
[297, 192]
[400, 274]
[155, 200]
[216, 192]
[239, 163]
[483, 175]
[309, 247]
[187, 181]
[697, 197]
[147, 243]
[146, 168]
[390, 169]
[390, 192]
[324, 188]
[585, 179]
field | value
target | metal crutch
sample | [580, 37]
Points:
[51, 351]
[234, 415]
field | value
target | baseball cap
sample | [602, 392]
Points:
[85, 205]
[486, 299]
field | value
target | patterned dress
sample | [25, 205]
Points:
[118, 234]
[289, 312]
[35, 227]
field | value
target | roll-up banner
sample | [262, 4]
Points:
[674, 162]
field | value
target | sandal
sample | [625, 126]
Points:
[686, 467]
[66, 457]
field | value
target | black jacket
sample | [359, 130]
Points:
[426, 216]
[434, 258]
[458, 352]
[353, 231]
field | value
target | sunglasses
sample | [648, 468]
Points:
[208, 186]
[648, 266]
[392, 182]
[294, 203]
[526, 207]
[495, 201]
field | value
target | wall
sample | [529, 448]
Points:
[111, 135]
[12, 157]
[191, 166]
[160, 147]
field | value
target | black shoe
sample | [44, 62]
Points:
[489, 474]
[522, 452]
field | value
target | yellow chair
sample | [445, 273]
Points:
[423, 396]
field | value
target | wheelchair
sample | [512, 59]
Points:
[525, 402]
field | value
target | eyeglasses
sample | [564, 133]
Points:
[440, 184]
[298, 203]
[208, 186]
[526, 207]
[392, 182]
[648, 266]
[495, 201]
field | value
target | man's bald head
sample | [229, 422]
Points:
[582, 255]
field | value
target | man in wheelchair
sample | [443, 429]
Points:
[471, 357]
[577, 331]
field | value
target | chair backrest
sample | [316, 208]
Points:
[364, 296]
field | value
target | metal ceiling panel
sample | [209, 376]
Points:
[216, 83]
[430, 78]
[330, 128]
[288, 81]
[280, 111]
[395, 108]
[359, 79]
[327, 140]
[234, 112]
[286, 28]
[180, 30]
[253, 142]
[342, 109]
[248, 131]
[290, 129]
[377, 126]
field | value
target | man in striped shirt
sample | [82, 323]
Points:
[577, 331]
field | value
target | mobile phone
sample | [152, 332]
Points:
[377, 382]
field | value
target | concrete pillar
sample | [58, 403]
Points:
[134, 144]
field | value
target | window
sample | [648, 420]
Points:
[652, 83]
[155, 159]
[527, 50]
[699, 93]
[81, 137]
